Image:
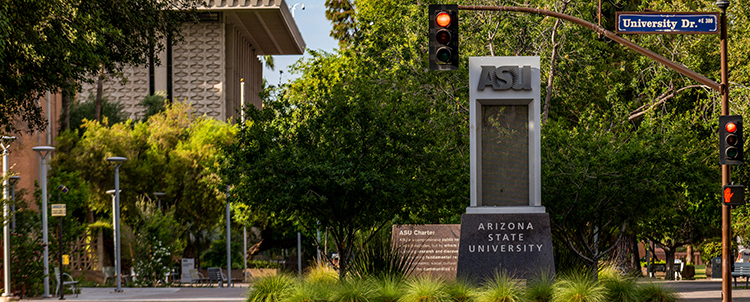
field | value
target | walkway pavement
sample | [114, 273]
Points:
[705, 290]
[689, 291]
[158, 294]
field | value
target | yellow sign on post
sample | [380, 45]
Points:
[66, 260]
[58, 210]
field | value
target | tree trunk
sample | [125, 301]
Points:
[635, 259]
[98, 100]
[669, 254]
[66, 99]
[553, 59]
[689, 256]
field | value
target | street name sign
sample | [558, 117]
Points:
[58, 210]
[667, 23]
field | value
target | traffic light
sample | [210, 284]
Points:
[733, 195]
[443, 37]
[730, 140]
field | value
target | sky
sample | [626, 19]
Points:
[315, 30]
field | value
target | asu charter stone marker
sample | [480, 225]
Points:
[505, 228]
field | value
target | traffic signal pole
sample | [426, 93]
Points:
[726, 177]
[723, 89]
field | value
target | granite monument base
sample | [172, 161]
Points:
[517, 244]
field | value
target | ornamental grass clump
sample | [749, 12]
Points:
[578, 287]
[269, 289]
[354, 290]
[388, 289]
[540, 288]
[501, 288]
[461, 291]
[618, 287]
[653, 292]
[308, 292]
[322, 274]
[425, 289]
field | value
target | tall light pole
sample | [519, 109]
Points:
[13, 181]
[159, 195]
[229, 245]
[116, 162]
[43, 152]
[6, 140]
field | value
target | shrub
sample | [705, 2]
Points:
[540, 289]
[388, 289]
[578, 287]
[653, 292]
[618, 287]
[307, 292]
[425, 289]
[322, 274]
[501, 288]
[354, 290]
[377, 257]
[461, 291]
[269, 289]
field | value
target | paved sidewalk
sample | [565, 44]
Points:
[158, 294]
[705, 290]
[689, 291]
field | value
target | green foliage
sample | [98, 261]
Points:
[388, 289]
[27, 265]
[84, 110]
[461, 291]
[156, 240]
[378, 257]
[578, 287]
[216, 255]
[270, 289]
[618, 287]
[425, 289]
[354, 290]
[712, 248]
[50, 45]
[540, 288]
[500, 288]
[321, 274]
[154, 104]
[655, 292]
[307, 292]
[173, 152]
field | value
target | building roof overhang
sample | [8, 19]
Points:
[267, 24]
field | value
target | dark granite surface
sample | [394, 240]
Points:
[519, 244]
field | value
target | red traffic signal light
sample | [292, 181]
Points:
[443, 37]
[730, 140]
[733, 195]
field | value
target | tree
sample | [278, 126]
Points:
[341, 149]
[173, 152]
[48, 45]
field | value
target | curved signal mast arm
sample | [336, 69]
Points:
[656, 57]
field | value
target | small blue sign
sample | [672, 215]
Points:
[667, 23]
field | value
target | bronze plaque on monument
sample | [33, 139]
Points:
[435, 247]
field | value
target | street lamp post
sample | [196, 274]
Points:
[6, 140]
[229, 244]
[116, 162]
[159, 195]
[13, 181]
[43, 152]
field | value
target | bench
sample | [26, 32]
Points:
[657, 267]
[741, 270]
